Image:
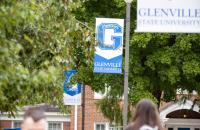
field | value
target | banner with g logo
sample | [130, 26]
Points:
[109, 38]
[116, 41]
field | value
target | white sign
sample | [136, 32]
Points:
[180, 16]
[108, 53]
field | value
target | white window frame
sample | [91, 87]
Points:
[102, 123]
[16, 121]
[115, 127]
[61, 123]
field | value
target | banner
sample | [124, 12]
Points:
[108, 53]
[72, 94]
[179, 16]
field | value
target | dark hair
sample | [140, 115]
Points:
[35, 113]
[146, 113]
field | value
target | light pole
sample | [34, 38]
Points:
[126, 71]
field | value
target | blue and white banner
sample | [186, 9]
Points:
[179, 16]
[72, 94]
[108, 53]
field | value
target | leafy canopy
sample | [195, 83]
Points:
[39, 40]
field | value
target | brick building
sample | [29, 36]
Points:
[175, 116]
[94, 119]
[55, 120]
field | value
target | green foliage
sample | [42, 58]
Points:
[159, 63]
[113, 112]
[39, 40]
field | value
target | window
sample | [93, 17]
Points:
[115, 127]
[100, 126]
[170, 128]
[183, 128]
[17, 124]
[54, 126]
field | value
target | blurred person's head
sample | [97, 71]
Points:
[34, 119]
[145, 114]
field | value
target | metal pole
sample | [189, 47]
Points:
[75, 117]
[83, 107]
[126, 71]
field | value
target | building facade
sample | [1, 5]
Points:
[178, 116]
[55, 119]
[94, 119]
[173, 115]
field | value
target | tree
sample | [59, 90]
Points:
[159, 63]
[39, 40]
